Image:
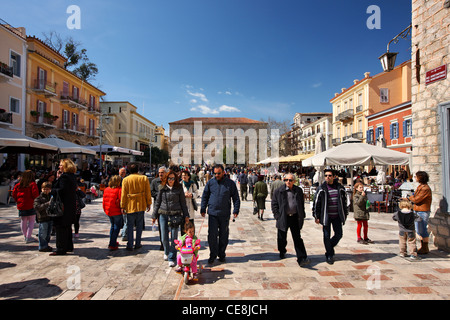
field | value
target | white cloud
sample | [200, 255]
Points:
[193, 101]
[198, 95]
[317, 85]
[205, 110]
[225, 108]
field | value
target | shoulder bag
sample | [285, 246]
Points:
[56, 207]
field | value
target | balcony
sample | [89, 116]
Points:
[359, 109]
[73, 102]
[6, 73]
[5, 118]
[42, 121]
[93, 110]
[73, 128]
[336, 141]
[46, 89]
[358, 135]
[346, 115]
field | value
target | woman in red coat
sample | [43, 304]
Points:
[24, 194]
[111, 206]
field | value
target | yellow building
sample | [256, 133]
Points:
[366, 97]
[58, 102]
[13, 52]
[125, 127]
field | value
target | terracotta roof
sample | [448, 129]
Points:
[208, 120]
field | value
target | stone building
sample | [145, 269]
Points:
[207, 140]
[431, 107]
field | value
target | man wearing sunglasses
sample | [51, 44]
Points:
[288, 208]
[330, 209]
[217, 197]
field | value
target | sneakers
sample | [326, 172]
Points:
[361, 241]
[414, 258]
[179, 269]
[171, 264]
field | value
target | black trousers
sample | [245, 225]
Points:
[292, 224]
[64, 242]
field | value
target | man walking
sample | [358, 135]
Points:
[136, 198]
[288, 208]
[330, 209]
[243, 183]
[217, 197]
[252, 180]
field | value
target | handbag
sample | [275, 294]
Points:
[56, 207]
[174, 221]
[194, 203]
[255, 208]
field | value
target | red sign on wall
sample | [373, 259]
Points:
[437, 74]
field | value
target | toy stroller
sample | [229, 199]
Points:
[187, 259]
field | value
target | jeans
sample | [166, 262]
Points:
[116, 225]
[168, 241]
[422, 226]
[132, 219]
[124, 228]
[331, 242]
[45, 231]
[218, 232]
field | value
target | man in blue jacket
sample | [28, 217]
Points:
[217, 197]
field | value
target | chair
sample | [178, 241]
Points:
[383, 204]
[307, 193]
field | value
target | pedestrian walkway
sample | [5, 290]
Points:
[252, 270]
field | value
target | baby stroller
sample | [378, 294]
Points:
[186, 257]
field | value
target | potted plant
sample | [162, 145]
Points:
[2, 110]
[34, 113]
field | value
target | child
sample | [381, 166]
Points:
[111, 206]
[361, 212]
[406, 219]
[41, 204]
[190, 233]
[24, 194]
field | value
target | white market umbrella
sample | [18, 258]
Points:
[113, 150]
[67, 146]
[13, 142]
[357, 154]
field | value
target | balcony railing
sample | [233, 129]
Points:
[73, 128]
[6, 72]
[46, 88]
[346, 115]
[359, 109]
[357, 135]
[93, 109]
[42, 121]
[336, 141]
[74, 102]
[6, 117]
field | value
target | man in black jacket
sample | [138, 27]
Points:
[330, 209]
[288, 208]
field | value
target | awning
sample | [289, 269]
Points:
[115, 151]
[296, 158]
[67, 146]
[13, 142]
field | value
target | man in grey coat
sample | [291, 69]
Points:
[288, 208]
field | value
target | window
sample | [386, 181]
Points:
[384, 95]
[379, 132]
[360, 123]
[407, 128]
[360, 99]
[15, 63]
[394, 130]
[14, 105]
[369, 134]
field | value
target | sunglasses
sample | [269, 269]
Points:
[290, 180]
[171, 179]
[218, 173]
[328, 175]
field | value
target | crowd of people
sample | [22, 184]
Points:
[174, 193]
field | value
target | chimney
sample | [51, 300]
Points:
[367, 74]
[355, 81]
[343, 89]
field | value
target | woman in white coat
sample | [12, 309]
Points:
[190, 192]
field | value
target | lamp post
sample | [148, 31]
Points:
[388, 59]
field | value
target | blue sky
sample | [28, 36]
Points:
[175, 59]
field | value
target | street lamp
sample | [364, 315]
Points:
[388, 59]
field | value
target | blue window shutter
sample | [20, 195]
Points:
[391, 131]
[405, 134]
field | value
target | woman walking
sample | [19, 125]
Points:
[190, 192]
[422, 206]
[24, 194]
[66, 187]
[170, 205]
[260, 193]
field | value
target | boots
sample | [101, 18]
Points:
[424, 248]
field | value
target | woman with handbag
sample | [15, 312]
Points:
[190, 192]
[66, 187]
[170, 207]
